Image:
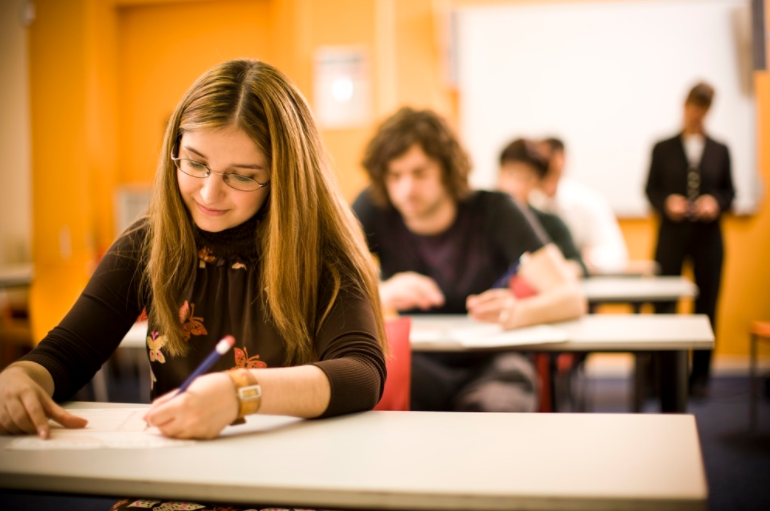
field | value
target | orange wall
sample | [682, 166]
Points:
[73, 150]
[160, 47]
[163, 49]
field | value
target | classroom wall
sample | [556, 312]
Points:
[15, 174]
[746, 280]
[405, 40]
[71, 86]
[161, 53]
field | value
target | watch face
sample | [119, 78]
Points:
[250, 393]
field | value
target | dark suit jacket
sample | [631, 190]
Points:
[668, 174]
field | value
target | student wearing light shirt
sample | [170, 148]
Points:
[586, 212]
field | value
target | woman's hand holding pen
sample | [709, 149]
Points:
[25, 405]
[410, 290]
[202, 411]
[494, 306]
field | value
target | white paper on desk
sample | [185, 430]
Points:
[123, 428]
[493, 336]
[428, 335]
[107, 428]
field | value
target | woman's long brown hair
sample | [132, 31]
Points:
[309, 238]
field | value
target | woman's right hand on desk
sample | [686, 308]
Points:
[410, 290]
[25, 406]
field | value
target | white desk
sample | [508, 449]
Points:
[670, 334]
[136, 337]
[403, 460]
[637, 290]
[593, 332]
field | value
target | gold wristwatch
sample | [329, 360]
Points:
[248, 390]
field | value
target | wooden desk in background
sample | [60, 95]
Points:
[15, 331]
[402, 460]
[16, 275]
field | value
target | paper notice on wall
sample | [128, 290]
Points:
[342, 96]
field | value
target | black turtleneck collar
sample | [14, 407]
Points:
[238, 243]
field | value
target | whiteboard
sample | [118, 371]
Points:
[610, 79]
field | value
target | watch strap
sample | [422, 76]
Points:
[248, 391]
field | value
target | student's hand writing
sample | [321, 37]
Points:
[676, 207]
[202, 411]
[706, 208]
[410, 290]
[494, 306]
[25, 406]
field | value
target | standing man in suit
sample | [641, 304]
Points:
[690, 186]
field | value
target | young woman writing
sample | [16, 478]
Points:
[246, 235]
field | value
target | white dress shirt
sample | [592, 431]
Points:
[693, 147]
[591, 222]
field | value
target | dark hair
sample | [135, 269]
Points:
[702, 94]
[525, 151]
[554, 144]
[400, 132]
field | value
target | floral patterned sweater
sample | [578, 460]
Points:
[225, 298]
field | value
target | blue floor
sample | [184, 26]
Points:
[737, 461]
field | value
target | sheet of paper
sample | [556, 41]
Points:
[109, 419]
[83, 439]
[486, 335]
[491, 336]
[427, 335]
[112, 428]
[123, 428]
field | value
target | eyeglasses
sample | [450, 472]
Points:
[236, 181]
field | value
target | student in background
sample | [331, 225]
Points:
[441, 247]
[242, 181]
[522, 167]
[586, 212]
[690, 185]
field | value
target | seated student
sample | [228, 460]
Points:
[242, 181]
[441, 247]
[586, 212]
[522, 167]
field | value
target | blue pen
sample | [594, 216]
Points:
[503, 281]
[220, 349]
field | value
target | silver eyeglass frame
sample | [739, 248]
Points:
[225, 175]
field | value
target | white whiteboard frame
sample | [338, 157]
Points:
[609, 78]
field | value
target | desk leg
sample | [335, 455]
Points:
[673, 381]
[641, 366]
[99, 383]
